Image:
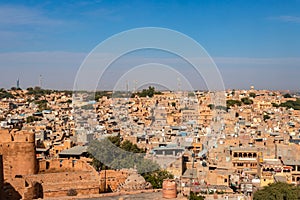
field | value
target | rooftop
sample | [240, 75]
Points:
[76, 151]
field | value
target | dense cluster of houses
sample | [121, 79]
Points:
[255, 144]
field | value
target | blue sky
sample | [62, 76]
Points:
[256, 38]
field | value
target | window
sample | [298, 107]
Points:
[47, 164]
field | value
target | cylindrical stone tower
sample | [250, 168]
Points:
[18, 152]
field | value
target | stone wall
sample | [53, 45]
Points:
[63, 165]
[123, 180]
[20, 188]
[1, 178]
[60, 183]
[18, 151]
[112, 179]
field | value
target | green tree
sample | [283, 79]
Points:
[266, 117]
[275, 105]
[252, 94]
[278, 191]
[5, 94]
[291, 104]
[128, 146]
[211, 106]
[69, 101]
[194, 196]
[246, 101]
[111, 153]
[116, 140]
[232, 102]
[156, 178]
[42, 105]
[150, 92]
[287, 95]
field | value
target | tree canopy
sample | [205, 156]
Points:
[278, 191]
[287, 95]
[6, 94]
[291, 104]
[252, 94]
[232, 102]
[113, 153]
[246, 101]
[156, 178]
[150, 92]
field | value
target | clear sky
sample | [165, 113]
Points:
[252, 42]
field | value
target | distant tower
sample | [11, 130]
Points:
[41, 81]
[18, 83]
[135, 85]
[127, 86]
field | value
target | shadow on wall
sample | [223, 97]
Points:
[10, 192]
[38, 191]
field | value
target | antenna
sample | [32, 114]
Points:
[135, 85]
[18, 83]
[127, 89]
[127, 86]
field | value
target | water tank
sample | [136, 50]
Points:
[169, 189]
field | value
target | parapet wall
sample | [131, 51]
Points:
[7, 136]
[64, 165]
